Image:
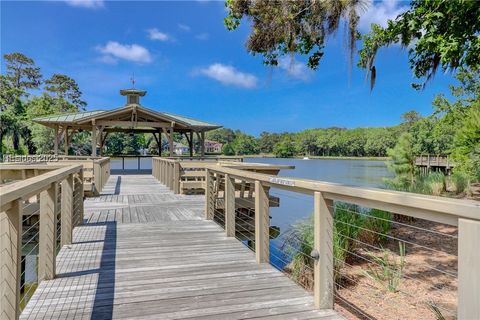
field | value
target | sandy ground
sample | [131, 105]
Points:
[429, 277]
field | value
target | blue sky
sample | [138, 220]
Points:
[181, 53]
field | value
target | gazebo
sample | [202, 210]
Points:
[131, 118]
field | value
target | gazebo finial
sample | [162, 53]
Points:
[133, 80]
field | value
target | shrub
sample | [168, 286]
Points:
[458, 182]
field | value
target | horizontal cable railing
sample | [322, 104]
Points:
[37, 216]
[369, 253]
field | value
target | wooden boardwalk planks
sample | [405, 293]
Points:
[145, 253]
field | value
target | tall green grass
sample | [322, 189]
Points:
[458, 182]
[351, 223]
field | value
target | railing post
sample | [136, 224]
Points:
[80, 187]
[10, 266]
[209, 196]
[262, 223]
[67, 211]
[323, 245]
[96, 177]
[170, 176]
[468, 266]
[229, 205]
[176, 177]
[48, 230]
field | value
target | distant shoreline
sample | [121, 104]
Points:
[318, 157]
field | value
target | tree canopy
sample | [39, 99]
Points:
[437, 33]
[285, 27]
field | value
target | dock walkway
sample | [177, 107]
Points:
[146, 253]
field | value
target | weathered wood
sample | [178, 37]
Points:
[229, 206]
[67, 211]
[48, 233]
[176, 177]
[468, 269]
[209, 196]
[262, 224]
[10, 266]
[323, 244]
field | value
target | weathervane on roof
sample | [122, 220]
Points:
[133, 80]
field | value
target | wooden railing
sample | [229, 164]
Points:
[183, 175]
[434, 161]
[96, 170]
[463, 214]
[43, 209]
[101, 173]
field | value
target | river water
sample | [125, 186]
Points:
[294, 207]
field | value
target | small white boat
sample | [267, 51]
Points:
[306, 158]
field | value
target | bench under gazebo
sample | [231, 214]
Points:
[131, 118]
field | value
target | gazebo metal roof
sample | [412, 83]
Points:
[131, 118]
[79, 118]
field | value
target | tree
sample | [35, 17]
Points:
[467, 144]
[66, 89]
[438, 33]
[228, 149]
[282, 28]
[285, 148]
[222, 135]
[245, 144]
[402, 162]
[410, 117]
[22, 72]
[266, 141]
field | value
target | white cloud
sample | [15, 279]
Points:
[107, 59]
[380, 13]
[184, 27]
[90, 4]
[132, 52]
[295, 69]
[202, 36]
[154, 34]
[228, 75]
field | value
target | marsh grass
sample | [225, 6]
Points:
[388, 269]
[350, 222]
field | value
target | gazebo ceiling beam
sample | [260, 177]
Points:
[134, 124]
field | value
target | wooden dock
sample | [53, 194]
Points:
[147, 253]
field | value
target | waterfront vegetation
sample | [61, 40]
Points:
[351, 223]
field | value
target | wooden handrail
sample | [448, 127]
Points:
[35, 185]
[14, 198]
[438, 209]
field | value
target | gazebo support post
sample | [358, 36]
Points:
[170, 141]
[190, 144]
[159, 143]
[66, 141]
[202, 141]
[55, 142]
[94, 139]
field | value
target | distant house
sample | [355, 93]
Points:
[213, 146]
[178, 148]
